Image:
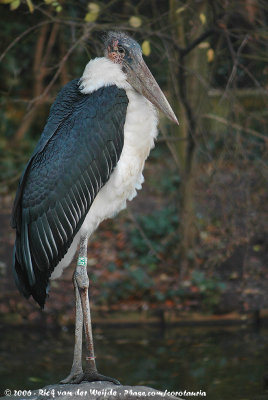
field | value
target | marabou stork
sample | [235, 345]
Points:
[86, 165]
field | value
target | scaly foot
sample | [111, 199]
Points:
[95, 376]
[91, 376]
[73, 376]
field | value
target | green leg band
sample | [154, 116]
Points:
[82, 261]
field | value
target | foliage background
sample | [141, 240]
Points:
[195, 239]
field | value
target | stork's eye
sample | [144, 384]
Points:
[121, 50]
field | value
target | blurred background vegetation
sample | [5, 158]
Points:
[196, 236]
[194, 241]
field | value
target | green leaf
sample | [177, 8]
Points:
[14, 5]
[94, 8]
[203, 18]
[135, 22]
[146, 48]
[30, 6]
[180, 10]
[210, 55]
[92, 15]
[203, 45]
[256, 248]
[5, 1]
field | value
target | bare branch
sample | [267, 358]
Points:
[197, 41]
[37, 100]
[236, 61]
[171, 147]
[143, 234]
[236, 126]
[21, 36]
[256, 82]
[170, 139]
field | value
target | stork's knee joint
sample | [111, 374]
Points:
[81, 278]
[82, 282]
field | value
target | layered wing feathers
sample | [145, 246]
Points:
[77, 152]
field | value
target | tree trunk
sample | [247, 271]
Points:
[191, 71]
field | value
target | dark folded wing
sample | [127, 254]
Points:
[76, 154]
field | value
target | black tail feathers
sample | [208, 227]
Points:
[39, 290]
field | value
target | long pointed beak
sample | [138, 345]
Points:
[141, 78]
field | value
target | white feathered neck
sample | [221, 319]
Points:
[102, 72]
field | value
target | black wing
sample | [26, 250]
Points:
[79, 148]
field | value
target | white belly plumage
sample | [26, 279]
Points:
[139, 134]
[140, 130]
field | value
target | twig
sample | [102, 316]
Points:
[51, 42]
[170, 139]
[197, 41]
[183, 51]
[11, 179]
[236, 126]
[257, 83]
[143, 234]
[235, 59]
[18, 38]
[37, 100]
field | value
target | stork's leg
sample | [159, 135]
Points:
[76, 371]
[80, 276]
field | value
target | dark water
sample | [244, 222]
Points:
[225, 363]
